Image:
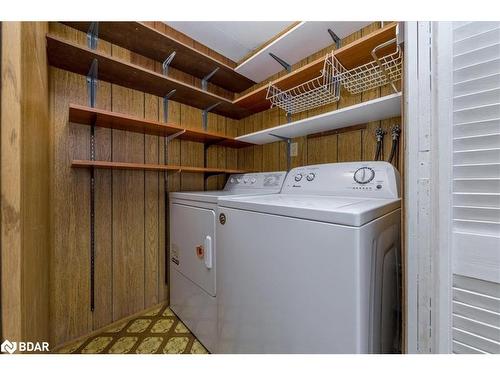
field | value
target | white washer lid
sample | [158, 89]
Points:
[351, 211]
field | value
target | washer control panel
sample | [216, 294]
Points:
[252, 181]
[371, 179]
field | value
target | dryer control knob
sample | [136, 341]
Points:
[298, 177]
[253, 180]
[310, 176]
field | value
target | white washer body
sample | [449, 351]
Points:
[312, 269]
[193, 250]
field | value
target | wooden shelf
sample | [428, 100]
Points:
[107, 119]
[149, 167]
[297, 43]
[373, 110]
[351, 55]
[78, 59]
[145, 40]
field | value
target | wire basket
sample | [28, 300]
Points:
[379, 72]
[316, 92]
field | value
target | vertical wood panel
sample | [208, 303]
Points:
[231, 153]
[35, 182]
[25, 209]
[211, 153]
[10, 134]
[192, 153]
[349, 146]
[271, 151]
[152, 207]
[128, 206]
[221, 152]
[70, 288]
[103, 312]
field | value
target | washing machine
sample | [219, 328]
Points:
[314, 268]
[193, 249]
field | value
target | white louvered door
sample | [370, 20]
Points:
[475, 238]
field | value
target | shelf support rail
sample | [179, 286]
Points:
[288, 142]
[92, 94]
[93, 35]
[167, 139]
[204, 81]
[165, 105]
[167, 62]
[288, 68]
[337, 42]
[204, 120]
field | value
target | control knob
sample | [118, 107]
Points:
[364, 175]
[298, 177]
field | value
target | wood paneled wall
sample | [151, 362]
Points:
[25, 238]
[349, 144]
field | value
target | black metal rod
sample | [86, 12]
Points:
[165, 185]
[395, 145]
[92, 94]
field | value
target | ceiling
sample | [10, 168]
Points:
[233, 39]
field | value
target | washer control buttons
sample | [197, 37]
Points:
[298, 177]
[379, 186]
[364, 175]
[310, 176]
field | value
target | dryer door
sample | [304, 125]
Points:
[192, 240]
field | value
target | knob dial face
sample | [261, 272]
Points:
[364, 175]
[298, 177]
[310, 176]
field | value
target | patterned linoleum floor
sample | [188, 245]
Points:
[156, 331]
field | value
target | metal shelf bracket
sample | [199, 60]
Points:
[282, 62]
[335, 38]
[165, 104]
[204, 81]
[288, 142]
[175, 135]
[167, 62]
[204, 115]
[93, 35]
